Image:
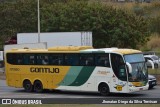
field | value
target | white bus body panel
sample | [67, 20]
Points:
[99, 75]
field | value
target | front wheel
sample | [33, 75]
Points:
[104, 89]
[38, 87]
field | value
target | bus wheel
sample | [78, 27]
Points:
[156, 65]
[38, 87]
[104, 89]
[28, 86]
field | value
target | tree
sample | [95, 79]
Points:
[18, 16]
[111, 27]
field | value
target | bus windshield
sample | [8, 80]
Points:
[139, 69]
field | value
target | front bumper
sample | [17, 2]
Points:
[134, 89]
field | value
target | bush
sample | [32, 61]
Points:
[154, 43]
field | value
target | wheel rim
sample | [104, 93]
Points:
[28, 86]
[104, 90]
[38, 86]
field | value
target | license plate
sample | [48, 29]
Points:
[119, 88]
[141, 89]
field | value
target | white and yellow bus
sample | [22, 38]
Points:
[82, 68]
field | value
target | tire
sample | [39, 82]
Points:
[104, 89]
[27, 86]
[150, 87]
[156, 65]
[38, 87]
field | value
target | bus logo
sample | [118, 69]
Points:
[44, 70]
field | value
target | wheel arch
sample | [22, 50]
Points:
[26, 79]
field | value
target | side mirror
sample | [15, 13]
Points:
[129, 67]
[151, 62]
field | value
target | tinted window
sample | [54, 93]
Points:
[77, 59]
[102, 60]
[56, 59]
[71, 59]
[42, 59]
[118, 66]
[12, 58]
[86, 59]
[31, 59]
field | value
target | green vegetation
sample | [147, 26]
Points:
[111, 26]
[151, 12]
[124, 25]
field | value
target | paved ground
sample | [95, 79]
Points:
[10, 92]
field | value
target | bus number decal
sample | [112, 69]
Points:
[44, 70]
[14, 69]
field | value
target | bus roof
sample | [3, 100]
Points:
[114, 50]
[76, 49]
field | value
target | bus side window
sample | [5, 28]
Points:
[56, 59]
[102, 60]
[19, 59]
[71, 59]
[45, 60]
[89, 61]
[86, 60]
[25, 62]
[11, 58]
[31, 59]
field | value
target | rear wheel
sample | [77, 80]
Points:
[104, 89]
[28, 86]
[38, 87]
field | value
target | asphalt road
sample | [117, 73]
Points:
[10, 92]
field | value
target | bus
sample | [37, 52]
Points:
[77, 68]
